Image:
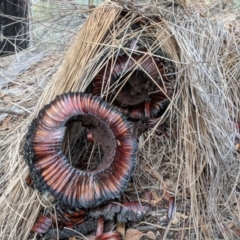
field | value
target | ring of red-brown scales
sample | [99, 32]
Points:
[147, 88]
[50, 168]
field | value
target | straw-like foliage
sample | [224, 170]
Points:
[196, 161]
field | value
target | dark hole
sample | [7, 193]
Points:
[83, 152]
[135, 90]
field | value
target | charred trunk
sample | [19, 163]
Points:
[13, 26]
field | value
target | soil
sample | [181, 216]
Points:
[102, 135]
[135, 90]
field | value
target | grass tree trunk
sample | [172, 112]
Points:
[13, 26]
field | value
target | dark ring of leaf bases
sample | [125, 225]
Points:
[51, 170]
[152, 98]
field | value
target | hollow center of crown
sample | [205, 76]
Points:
[89, 143]
[134, 88]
